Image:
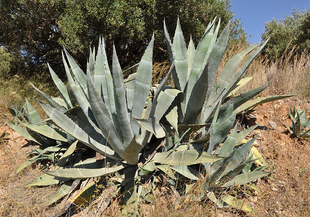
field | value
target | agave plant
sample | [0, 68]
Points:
[299, 123]
[196, 70]
[116, 119]
[142, 131]
[51, 140]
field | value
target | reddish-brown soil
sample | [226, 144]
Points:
[285, 193]
[288, 194]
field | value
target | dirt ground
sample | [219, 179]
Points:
[286, 193]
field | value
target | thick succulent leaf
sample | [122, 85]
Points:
[62, 89]
[306, 123]
[297, 129]
[205, 79]
[215, 59]
[186, 172]
[47, 131]
[166, 169]
[180, 56]
[229, 145]
[237, 203]
[103, 118]
[245, 178]
[228, 79]
[106, 80]
[24, 133]
[232, 174]
[172, 118]
[230, 69]
[253, 103]
[152, 125]
[171, 57]
[196, 98]
[305, 134]
[220, 129]
[238, 75]
[240, 84]
[26, 164]
[258, 157]
[165, 100]
[240, 136]
[239, 156]
[130, 90]
[243, 98]
[220, 88]
[65, 157]
[213, 198]
[125, 130]
[157, 94]
[49, 100]
[202, 54]
[249, 163]
[60, 101]
[78, 173]
[190, 55]
[76, 89]
[132, 152]
[63, 191]
[32, 115]
[73, 129]
[85, 195]
[89, 163]
[85, 123]
[50, 149]
[184, 158]
[46, 180]
[150, 166]
[142, 85]
[99, 72]
[217, 169]
[77, 71]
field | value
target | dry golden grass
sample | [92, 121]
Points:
[288, 74]
[16, 199]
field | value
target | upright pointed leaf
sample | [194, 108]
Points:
[62, 89]
[201, 56]
[49, 100]
[72, 128]
[103, 118]
[120, 101]
[142, 85]
[77, 71]
[32, 115]
[76, 89]
[180, 56]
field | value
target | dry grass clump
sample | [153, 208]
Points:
[288, 74]
[16, 199]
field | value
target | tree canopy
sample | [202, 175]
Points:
[38, 29]
[283, 35]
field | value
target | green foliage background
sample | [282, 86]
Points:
[293, 31]
[37, 30]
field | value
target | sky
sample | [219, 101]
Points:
[254, 13]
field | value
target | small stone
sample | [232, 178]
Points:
[273, 125]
